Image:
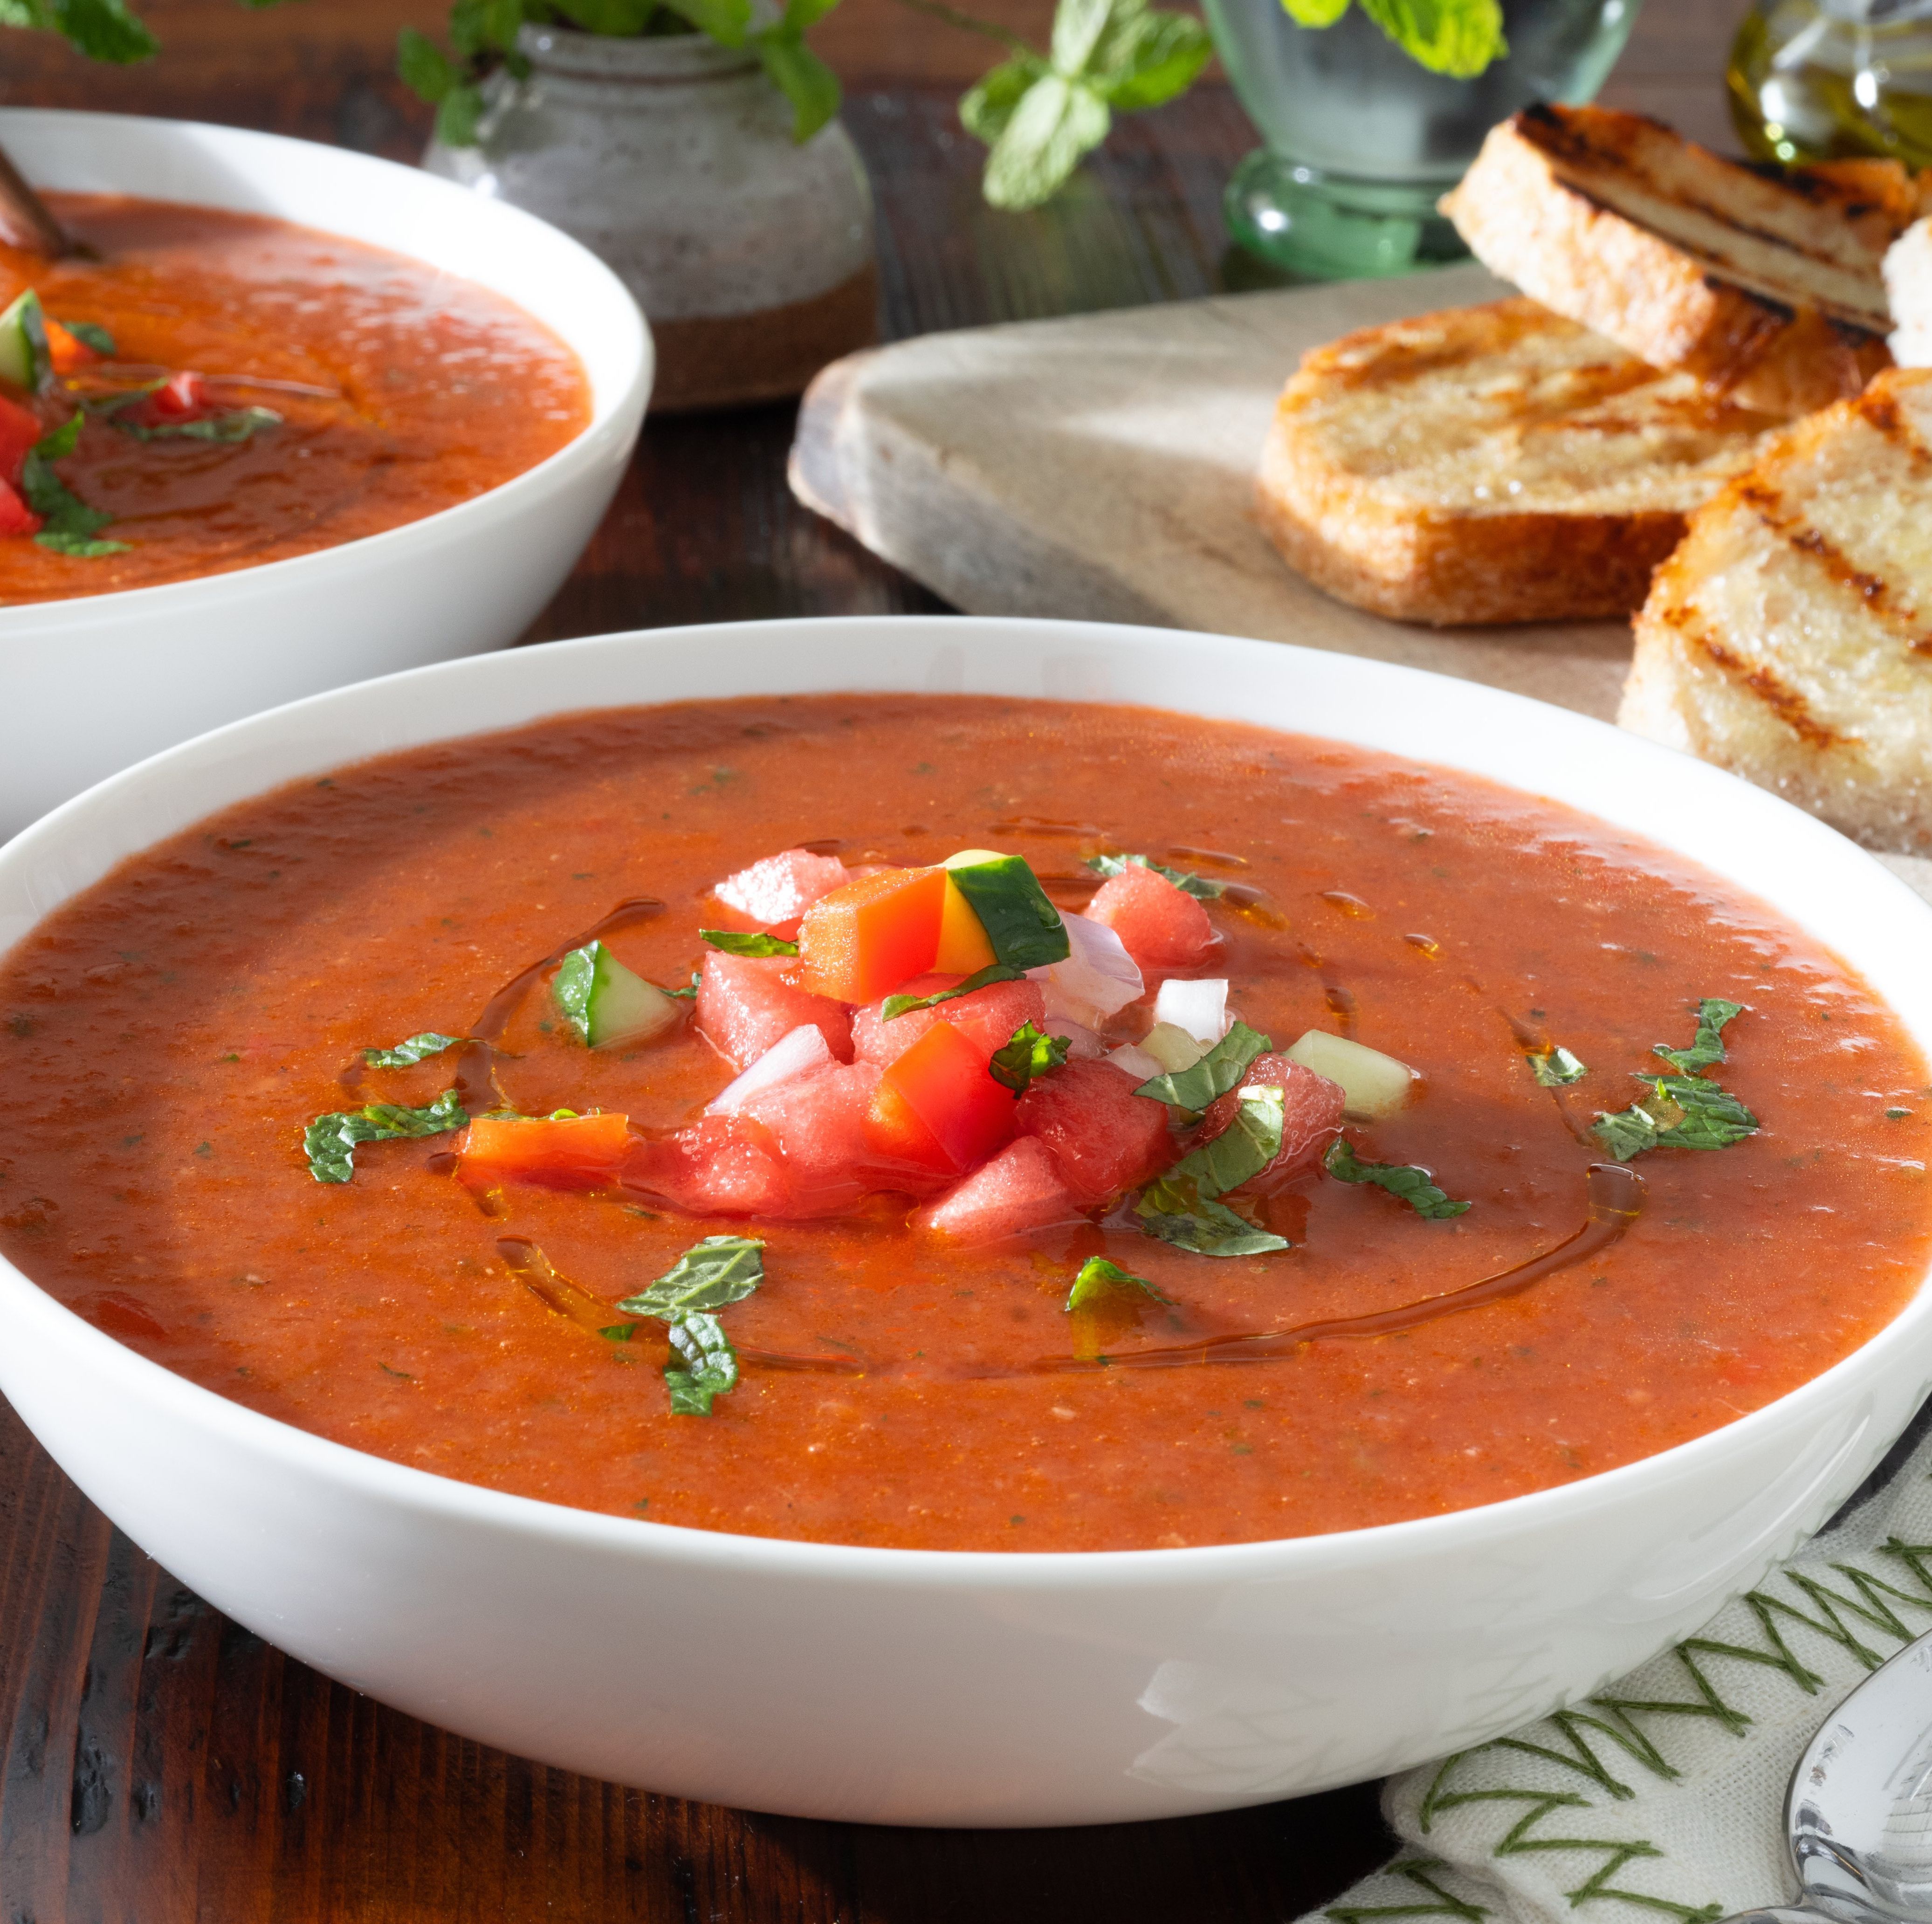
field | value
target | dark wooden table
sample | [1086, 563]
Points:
[161, 1764]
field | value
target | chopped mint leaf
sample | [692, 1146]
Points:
[691, 993]
[1554, 1067]
[1176, 1212]
[903, 1005]
[718, 1270]
[82, 547]
[91, 334]
[416, 1048]
[734, 942]
[70, 524]
[711, 1364]
[1029, 1054]
[1708, 1046]
[1217, 1071]
[1413, 1186]
[1243, 1150]
[1203, 888]
[102, 29]
[229, 426]
[1099, 1278]
[330, 1140]
[1629, 1133]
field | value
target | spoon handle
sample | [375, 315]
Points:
[29, 221]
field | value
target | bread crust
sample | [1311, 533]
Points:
[1490, 465]
[1788, 638]
[1767, 286]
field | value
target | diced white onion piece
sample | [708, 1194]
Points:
[1097, 979]
[1082, 1044]
[1373, 1085]
[1138, 1063]
[1199, 1007]
[1172, 1046]
[798, 1052]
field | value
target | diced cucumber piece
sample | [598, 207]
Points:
[605, 1003]
[1024, 927]
[23, 343]
[1172, 1047]
[1373, 1085]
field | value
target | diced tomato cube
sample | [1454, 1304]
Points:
[721, 1164]
[1019, 1190]
[1161, 926]
[557, 1152]
[19, 428]
[15, 517]
[818, 1122]
[1103, 1137]
[988, 1017]
[178, 398]
[65, 349]
[937, 1106]
[745, 1004]
[862, 940]
[1311, 1117]
[772, 894]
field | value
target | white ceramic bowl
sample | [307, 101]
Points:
[925, 1687]
[94, 684]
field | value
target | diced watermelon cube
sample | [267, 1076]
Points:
[721, 1164]
[1311, 1117]
[988, 1016]
[745, 1005]
[19, 428]
[1103, 1137]
[772, 894]
[1019, 1190]
[15, 517]
[1161, 926]
[818, 1122]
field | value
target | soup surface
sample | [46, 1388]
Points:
[249, 390]
[168, 1033]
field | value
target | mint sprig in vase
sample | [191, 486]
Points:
[1371, 110]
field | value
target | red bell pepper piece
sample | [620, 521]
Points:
[558, 1152]
[938, 1106]
[180, 397]
[15, 517]
[862, 940]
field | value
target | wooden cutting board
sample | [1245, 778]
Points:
[1101, 467]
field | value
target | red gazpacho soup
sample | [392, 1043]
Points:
[200, 391]
[956, 1122]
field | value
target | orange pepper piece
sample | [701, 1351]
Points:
[67, 352]
[938, 1106]
[559, 1152]
[861, 941]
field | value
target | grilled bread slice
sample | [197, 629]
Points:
[1494, 463]
[1768, 281]
[1790, 638]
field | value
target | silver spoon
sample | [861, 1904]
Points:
[28, 221]
[1858, 1817]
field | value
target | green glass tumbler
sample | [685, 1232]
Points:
[1362, 142]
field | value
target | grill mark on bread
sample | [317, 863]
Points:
[1778, 695]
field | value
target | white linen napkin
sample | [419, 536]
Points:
[1662, 1797]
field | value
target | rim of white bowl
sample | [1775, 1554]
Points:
[918, 1569]
[607, 421]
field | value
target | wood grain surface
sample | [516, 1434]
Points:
[160, 1764]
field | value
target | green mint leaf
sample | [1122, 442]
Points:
[1028, 1056]
[91, 334]
[1315, 12]
[1711, 1118]
[105, 30]
[70, 524]
[36, 16]
[1148, 56]
[804, 79]
[1056, 122]
[415, 1049]
[1203, 888]
[1176, 1212]
[1099, 1278]
[801, 15]
[895, 1006]
[1629, 1133]
[1413, 1186]
[231, 425]
[1707, 1046]
[1554, 1067]
[330, 1140]
[457, 118]
[718, 1270]
[425, 68]
[1077, 27]
[710, 1365]
[81, 548]
[735, 942]
[987, 107]
[690, 994]
[1243, 1150]
[619, 19]
[728, 22]
[1217, 1071]
[1457, 37]
[62, 442]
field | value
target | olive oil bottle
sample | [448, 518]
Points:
[1834, 79]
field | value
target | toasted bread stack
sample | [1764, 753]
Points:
[1534, 460]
